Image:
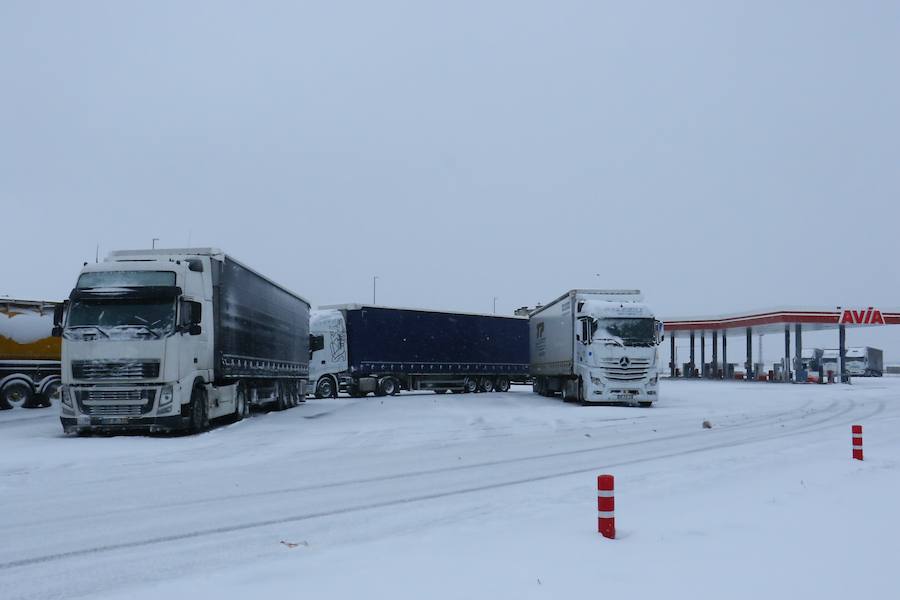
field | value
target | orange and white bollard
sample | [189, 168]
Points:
[857, 441]
[606, 506]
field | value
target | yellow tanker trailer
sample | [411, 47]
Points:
[29, 354]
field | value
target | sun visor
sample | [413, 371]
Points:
[147, 292]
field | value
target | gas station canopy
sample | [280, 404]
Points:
[776, 320]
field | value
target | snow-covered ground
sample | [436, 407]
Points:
[467, 496]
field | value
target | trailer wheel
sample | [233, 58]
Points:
[241, 408]
[16, 394]
[502, 384]
[325, 387]
[199, 410]
[470, 385]
[486, 384]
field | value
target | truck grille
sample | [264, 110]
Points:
[117, 410]
[120, 369]
[124, 403]
[635, 369]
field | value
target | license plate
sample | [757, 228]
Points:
[625, 397]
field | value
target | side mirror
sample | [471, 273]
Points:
[196, 313]
[56, 331]
[191, 316]
[58, 314]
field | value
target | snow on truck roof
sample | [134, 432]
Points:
[428, 310]
[633, 296]
[213, 253]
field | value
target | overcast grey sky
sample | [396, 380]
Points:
[718, 155]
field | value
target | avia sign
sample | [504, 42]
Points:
[869, 316]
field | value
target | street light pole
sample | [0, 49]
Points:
[495, 305]
[374, 279]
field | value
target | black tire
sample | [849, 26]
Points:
[645, 404]
[325, 387]
[388, 387]
[486, 384]
[355, 393]
[241, 406]
[282, 402]
[470, 385]
[17, 394]
[51, 391]
[502, 384]
[199, 411]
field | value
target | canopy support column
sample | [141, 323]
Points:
[787, 354]
[842, 344]
[672, 354]
[702, 354]
[691, 374]
[724, 355]
[748, 366]
[798, 352]
[715, 354]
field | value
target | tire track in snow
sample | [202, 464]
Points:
[826, 423]
[751, 423]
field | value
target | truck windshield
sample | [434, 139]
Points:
[629, 332]
[154, 317]
[855, 359]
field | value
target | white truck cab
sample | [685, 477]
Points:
[596, 346]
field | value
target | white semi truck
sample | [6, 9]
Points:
[596, 346]
[166, 340]
[865, 361]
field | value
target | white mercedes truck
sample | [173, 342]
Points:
[166, 340]
[596, 346]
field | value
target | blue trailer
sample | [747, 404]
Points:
[360, 349]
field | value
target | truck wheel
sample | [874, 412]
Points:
[387, 387]
[486, 384]
[645, 404]
[325, 387]
[16, 394]
[470, 385]
[241, 408]
[502, 384]
[284, 396]
[199, 411]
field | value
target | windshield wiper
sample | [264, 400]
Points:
[88, 327]
[611, 342]
[144, 327]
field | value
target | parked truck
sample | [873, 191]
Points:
[596, 346]
[29, 354]
[362, 349]
[166, 340]
[864, 361]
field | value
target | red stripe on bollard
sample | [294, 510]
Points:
[856, 430]
[606, 506]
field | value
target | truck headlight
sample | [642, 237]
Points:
[166, 395]
[596, 380]
[654, 379]
[65, 396]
